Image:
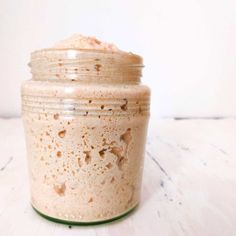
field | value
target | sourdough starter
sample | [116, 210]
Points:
[85, 115]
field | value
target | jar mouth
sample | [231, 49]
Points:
[85, 50]
[86, 65]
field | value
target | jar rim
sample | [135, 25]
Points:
[78, 51]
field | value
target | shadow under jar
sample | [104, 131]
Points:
[85, 116]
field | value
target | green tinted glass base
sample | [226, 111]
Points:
[86, 223]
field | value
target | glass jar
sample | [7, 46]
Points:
[85, 115]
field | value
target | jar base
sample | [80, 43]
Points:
[66, 222]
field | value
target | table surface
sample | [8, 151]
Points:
[189, 183]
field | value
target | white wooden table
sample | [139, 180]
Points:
[189, 184]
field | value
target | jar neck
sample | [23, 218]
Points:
[89, 66]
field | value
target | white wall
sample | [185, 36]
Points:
[188, 47]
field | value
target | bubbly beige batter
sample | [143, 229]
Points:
[85, 136]
[78, 41]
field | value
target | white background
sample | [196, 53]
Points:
[188, 47]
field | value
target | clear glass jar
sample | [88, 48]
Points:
[85, 115]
